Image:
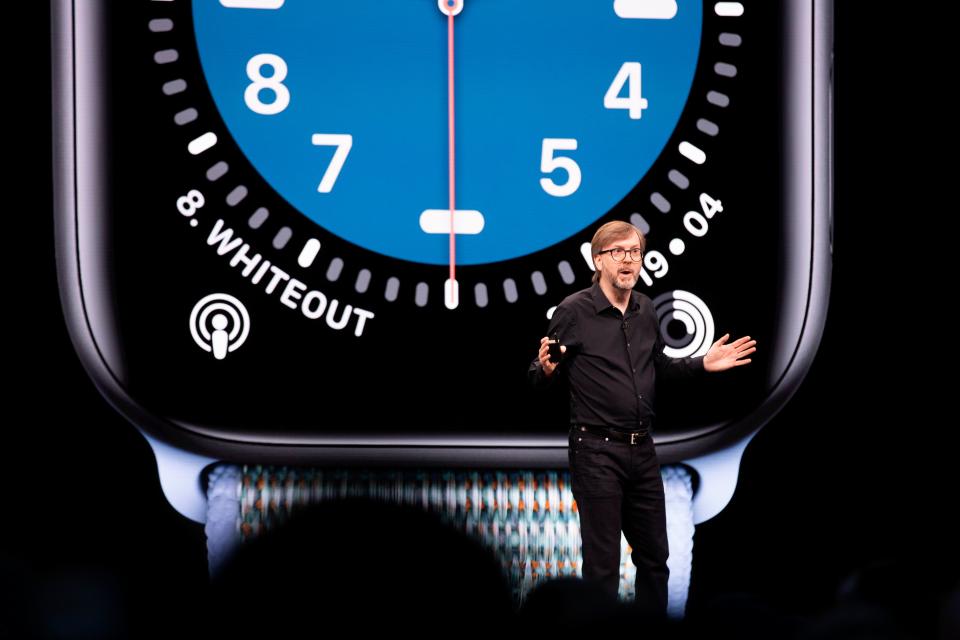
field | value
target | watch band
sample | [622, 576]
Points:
[528, 518]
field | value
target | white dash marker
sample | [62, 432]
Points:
[587, 257]
[451, 293]
[252, 4]
[309, 253]
[728, 9]
[692, 153]
[201, 144]
[466, 221]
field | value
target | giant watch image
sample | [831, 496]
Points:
[332, 233]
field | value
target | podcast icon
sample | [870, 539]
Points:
[219, 324]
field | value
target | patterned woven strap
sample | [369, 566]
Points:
[529, 518]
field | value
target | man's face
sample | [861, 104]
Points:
[620, 275]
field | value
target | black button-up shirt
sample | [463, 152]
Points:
[611, 359]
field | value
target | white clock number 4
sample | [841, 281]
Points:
[343, 142]
[632, 102]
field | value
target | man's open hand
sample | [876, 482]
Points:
[721, 355]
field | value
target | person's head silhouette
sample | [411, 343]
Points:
[358, 564]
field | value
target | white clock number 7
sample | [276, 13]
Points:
[343, 142]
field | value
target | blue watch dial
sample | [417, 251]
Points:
[561, 109]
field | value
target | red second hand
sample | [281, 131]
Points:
[452, 150]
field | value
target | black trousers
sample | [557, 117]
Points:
[617, 486]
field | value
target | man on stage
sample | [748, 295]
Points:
[611, 353]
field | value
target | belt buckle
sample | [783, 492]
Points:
[633, 437]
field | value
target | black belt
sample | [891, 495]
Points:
[630, 437]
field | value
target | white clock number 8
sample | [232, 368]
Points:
[275, 83]
[549, 163]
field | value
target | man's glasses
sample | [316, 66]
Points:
[617, 253]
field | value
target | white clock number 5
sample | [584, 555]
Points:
[549, 163]
[343, 142]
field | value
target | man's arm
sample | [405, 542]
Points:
[674, 368]
[537, 376]
[720, 357]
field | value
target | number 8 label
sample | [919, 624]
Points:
[274, 83]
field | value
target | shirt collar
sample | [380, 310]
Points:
[601, 303]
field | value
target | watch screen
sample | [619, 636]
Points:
[274, 250]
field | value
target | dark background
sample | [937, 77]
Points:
[847, 487]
